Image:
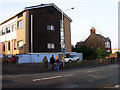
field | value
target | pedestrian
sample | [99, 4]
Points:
[57, 63]
[13, 59]
[52, 61]
[45, 62]
[16, 59]
[111, 59]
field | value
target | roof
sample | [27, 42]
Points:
[39, 6]
[102, 37]
[79, 43]
[12, 17]
[46, 5]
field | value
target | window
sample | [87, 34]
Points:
[62, 38]
[3, 47]
[20, 24]
[0, 33]
[61, 24]
[51, 46]
[15, 45]
[8, 45]
[14, 27]
[8, 30]
[62, 34]
[20, 44]
[3, 32]
[50, 27]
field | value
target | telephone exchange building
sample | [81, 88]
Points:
[36, 29]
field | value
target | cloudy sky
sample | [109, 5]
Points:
[101, 14]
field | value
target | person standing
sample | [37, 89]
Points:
[57, 63]
[13, 59]
[45, 62]
[111, 59]
[52, 61]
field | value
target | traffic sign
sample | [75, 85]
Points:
[63, 50]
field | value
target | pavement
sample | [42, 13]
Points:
[105, 76]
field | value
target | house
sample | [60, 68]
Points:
[115, 50]
[36, 29]
[96, 41]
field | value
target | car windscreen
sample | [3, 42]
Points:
[72, 56]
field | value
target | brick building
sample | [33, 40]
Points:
[36, 29]
[96, 41]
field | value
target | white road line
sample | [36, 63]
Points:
[116, 86]
[68, 75]
[51, 77]
[92, 70]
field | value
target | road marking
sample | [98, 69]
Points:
[116, 86]
[34, 80]
[92, 70]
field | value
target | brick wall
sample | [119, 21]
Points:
[38, 67]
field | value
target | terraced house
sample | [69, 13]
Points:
[36, 29]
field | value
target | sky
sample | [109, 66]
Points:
[101, 14]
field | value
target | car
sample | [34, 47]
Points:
[71, 58]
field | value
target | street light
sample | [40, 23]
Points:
[63, 43]
[69, 9]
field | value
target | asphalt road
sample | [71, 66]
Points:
[105, 76]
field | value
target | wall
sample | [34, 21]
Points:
[27, 32]
[21, 34]
[38, 57]
[38, 67]
[94, 41]
[67, 31]
[42, 36]
[8, 37]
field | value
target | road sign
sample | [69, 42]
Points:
[63, 50]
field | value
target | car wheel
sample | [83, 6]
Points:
[78, 60]
[69, 61]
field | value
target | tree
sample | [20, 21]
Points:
[102, 53]
[88, 53]
[118, 54]
[72, 46]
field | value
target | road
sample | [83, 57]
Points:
[105, 76]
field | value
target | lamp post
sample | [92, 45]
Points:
[63, 43]
[31, 37]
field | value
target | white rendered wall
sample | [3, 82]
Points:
[8, 23]
[8, 36]
[11, 35]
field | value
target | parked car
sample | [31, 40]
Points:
[71, 58]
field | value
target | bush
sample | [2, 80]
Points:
[118, 54]
[102, 53]
[88, 53]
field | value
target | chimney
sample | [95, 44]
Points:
[92, 30]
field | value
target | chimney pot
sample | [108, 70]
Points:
[92, 30]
